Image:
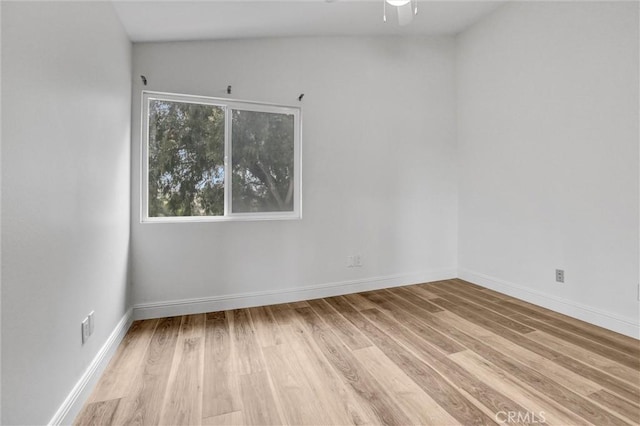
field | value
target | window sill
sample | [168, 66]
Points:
[214, 219]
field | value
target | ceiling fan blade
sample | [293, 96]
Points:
[405, 13]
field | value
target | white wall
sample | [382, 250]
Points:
[378, 169]
[548, 139]
[66, 73]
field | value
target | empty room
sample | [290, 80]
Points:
[320, 212]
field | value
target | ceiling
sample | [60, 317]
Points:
[154, 20]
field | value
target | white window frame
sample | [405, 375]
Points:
[228, 105]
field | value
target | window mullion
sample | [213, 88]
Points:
[144, 156]
[227, 160]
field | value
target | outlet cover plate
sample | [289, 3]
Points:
[85, 330]
[92, 323]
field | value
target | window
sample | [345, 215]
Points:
[217, 159]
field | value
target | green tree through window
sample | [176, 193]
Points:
[186, 159]
[262, 162]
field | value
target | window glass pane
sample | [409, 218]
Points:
[186, 159]
[262, 145]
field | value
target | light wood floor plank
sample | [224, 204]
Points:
[604, 364]
[247, 350]
[183, 399]
[359, 301]
[615, 340]
[486, 317]
[440, 340]
[97, 413]
[352, 372]
[116, 382]
[424, 303]
[570, 399]
[629, 359]
[535, 403]
[416, 403]
[620, 387]
[339, 401]
[421, 290]
[296, 395]
[469, 288]
[220, 383]
[143, 405]
[350, 335]
[266, 328]
[582, 368]
[579, 384]
[301, 304]
[478, 297]
[447, 396]
[557, 391]
[229, 419]
[259, 405]
[484, 393]
[628, 410]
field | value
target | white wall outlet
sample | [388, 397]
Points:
[354, 261]
[85, 330]
[92, 323]
[560, 275]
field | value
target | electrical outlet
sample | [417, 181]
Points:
[560, 275]
[85, 330]
[354, 261]
[91, 323]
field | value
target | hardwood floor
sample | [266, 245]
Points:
[442, 353]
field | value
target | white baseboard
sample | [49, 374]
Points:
[72, 405]
[263, 298]
[573, 309]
